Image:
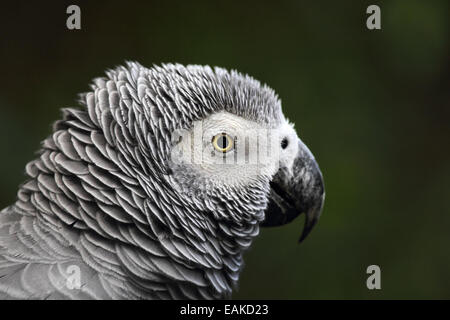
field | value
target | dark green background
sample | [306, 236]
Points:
[373, 106]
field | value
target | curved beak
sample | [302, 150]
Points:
[296, 190]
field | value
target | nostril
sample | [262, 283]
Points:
[284, 143]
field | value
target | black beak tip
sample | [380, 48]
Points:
[312, 217]
[306, 230]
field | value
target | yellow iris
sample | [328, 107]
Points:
[222, 142]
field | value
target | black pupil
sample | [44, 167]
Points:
[284, 143]
[222, 142]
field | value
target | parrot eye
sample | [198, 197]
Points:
[222, 142]
[284, 143]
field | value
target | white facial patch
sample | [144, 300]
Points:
[229, 150]
[289, 143]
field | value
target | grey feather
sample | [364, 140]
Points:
[99, 196]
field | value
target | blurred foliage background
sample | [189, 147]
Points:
[373, 106]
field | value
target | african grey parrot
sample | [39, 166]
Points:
[134, 195]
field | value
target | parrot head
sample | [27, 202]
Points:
[231, 152]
